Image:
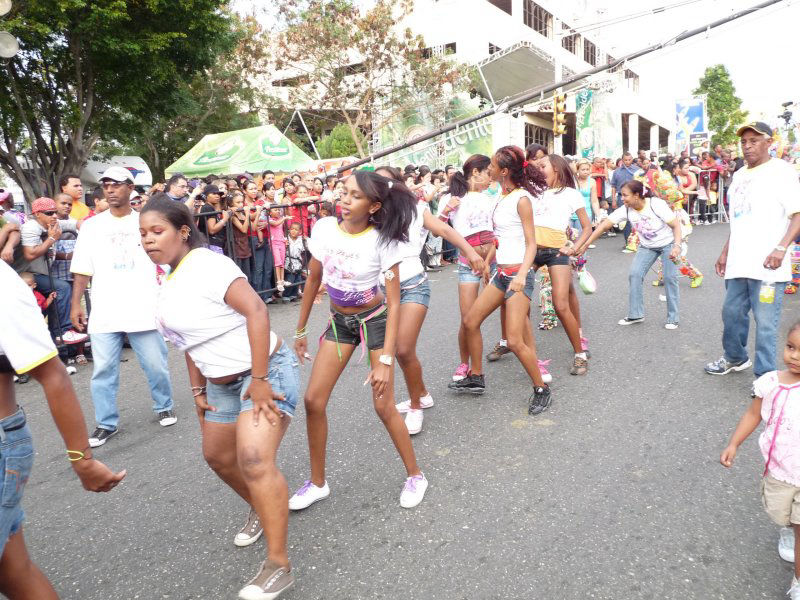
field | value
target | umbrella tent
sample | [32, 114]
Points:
[250, 150]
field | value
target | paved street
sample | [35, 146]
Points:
[614, 493]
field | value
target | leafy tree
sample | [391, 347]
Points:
[358, 64]
[725, 112]
[339, 142]
[94, 68]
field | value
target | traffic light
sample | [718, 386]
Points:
[559, 116]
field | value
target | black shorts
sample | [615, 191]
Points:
[546, 257]
[351, 329]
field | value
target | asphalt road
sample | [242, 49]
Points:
[615, 492]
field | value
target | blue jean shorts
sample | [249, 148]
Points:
[284, 377]
[16, 462]
[502, 283]
[465, 274]
[416, 290]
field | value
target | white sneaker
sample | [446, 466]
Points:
[280, 286]
[592, 246]
[413, 491]
[794, 591]
[73, 337]
[786, 544]
[307, 495]
[405, 405]
[662, 297]
[414, 421]
[671, 326]
[71, 370]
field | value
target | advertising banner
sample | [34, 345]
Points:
[690, 117]
[607, 127]
[698, 143]
[584, 128]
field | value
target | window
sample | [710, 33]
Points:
[504, 5]
[538, 135]
[493, 48]
[537, 18]
[442, 50]
[570, 42]
[589, 52]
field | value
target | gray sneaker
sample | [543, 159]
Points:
[723, 366]
[250, 531]
[270, 582]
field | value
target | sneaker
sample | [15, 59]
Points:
[662, 297]
[697, 281]
[280, 287]
[100, 436]
[308, 494]
[612, 233]
[80, 359]
[167, 418]
[414, 421]
[546, 376]
[629, 321]
[723, 367]
[461, 372]
[580, 366]
[24, 378]
[627, 250]
[269, 583]
[413, 491]
[671, 326]
[497, 352]
[794, 591]
[585, 347]
[473, 384]
[424, 401]
[71, 370]
[592, 246]
[539, 401]
[73, 337]
[250, 531]
[786, 544]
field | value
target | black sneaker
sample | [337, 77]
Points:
[629, 321]
[167, 418]
[540, 400]
[473, 384]
[100, 436]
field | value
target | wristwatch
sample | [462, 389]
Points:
[780, 248]
[385, 359]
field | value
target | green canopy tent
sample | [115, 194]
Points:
[250, 150]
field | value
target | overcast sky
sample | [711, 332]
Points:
[759, 50]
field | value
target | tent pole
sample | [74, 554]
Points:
[290, 121]
[310, 139]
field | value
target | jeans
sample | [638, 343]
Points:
[16, 462]
[642, 262]
[292, 277]
[741, 297]
[62, 302]
[263, 265]
[244, 265]
[151, 352]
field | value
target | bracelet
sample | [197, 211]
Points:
[301, 333]
[198, 391]
[50, 237]
[76, 455]
[261, 377]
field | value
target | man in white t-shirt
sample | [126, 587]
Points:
[764, 209]
[124, 290]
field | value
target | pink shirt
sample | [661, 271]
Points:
[780, 440]
[276, 234]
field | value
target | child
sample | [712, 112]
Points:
[712, 202]
[301, 212]
[325, 210]
[777, 402]
[296, 248]
[44, 303]
[240, 221]
[278, 240]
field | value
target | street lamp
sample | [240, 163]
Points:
[9, 46]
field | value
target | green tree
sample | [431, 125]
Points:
[725, 112]
[339, 142]
[358, 64]
[92, 69]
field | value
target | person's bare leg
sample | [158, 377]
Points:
[796, 529]
[575, 305]
[20, 578]
[503, 331]
[219, 451]
[412, 316]
[517, 321]
[486, 303]
[387, 413]
[256, 448]
[324, 374]
[561, 276]
[467, 294]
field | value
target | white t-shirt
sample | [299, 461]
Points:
[651, 223]
[761, 200]
[124, 284]
[351, 264]
[551, 215]
[24, 338]
[473, 214]
[193, 315]
[508, 228]
[411, 250]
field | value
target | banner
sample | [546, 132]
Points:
[698, 142]
[607, 127]
[690, 117]
[584, 130]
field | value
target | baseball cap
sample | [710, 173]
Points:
[211, 189]
[757, 126]
[118, 174]
[43, 204]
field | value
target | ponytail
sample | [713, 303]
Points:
[398, 205]
[459, 181]
[522, 173]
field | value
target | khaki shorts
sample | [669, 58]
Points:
[781, 501]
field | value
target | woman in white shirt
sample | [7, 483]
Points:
[512, 283]
[244, 379]
[552, 211]
[349, 258]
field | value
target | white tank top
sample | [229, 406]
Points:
[508, 228]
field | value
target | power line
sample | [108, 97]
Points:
[625, 18]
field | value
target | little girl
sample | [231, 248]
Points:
[278, 241]
[777, 402]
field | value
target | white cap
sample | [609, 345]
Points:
[118, 174]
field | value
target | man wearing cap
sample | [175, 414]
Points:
[39, 237]
[70, 183]
[124, 288]
[764, 207]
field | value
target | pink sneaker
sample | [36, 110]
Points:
[546, 377]
[585, 347]
[73, 337]
[461, 372]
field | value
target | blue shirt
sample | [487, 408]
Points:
[622, 176]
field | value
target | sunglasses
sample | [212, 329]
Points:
[135, 202]
[48, 213]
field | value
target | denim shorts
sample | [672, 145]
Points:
[416, 290]
[465, 274]
[350, 329]
[546, 257]
[284, 377]
[502, 282]
[16, 461]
